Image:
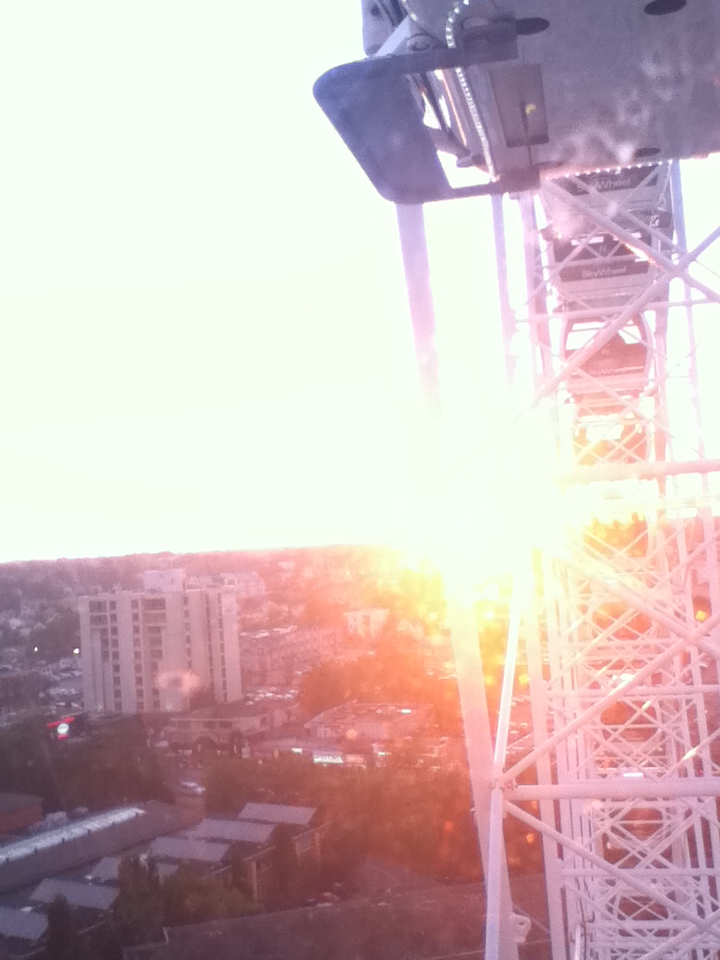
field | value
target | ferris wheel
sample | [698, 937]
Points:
[575, 122]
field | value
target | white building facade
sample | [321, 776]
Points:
[149, 651]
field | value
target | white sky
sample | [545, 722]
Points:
[205, 331]
[206, 340]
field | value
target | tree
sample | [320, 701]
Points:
[125, 767]
[325, 686]
[344, 849]
[231, 782]
[62, 940]
[225, 785]
[58, 637]
[27, 761]
[103, 942]
[284, 864]
[190, 897]
[138, 910]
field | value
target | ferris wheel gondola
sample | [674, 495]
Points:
[619, 366]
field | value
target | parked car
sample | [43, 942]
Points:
[191, 789]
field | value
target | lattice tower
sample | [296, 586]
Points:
[622, 641]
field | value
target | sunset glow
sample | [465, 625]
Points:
[207, 346]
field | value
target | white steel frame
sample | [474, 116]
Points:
[624, 680]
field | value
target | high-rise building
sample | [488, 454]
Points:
[148, 651]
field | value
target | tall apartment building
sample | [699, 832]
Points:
[150, 650]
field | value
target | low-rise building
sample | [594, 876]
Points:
[244, 845]
[83, 840]
[107, 870]
[228, 724]
[211, 855]
[304, 829]
[274, 656]
[84, 896]
[274, 813]
[21, 932]
[370, 721]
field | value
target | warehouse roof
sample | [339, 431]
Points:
[84, 841]
[22, 924]
[76, 893]
[277, 813]
[186, 848]
[70, 831]
[107, 869]
[233, 831]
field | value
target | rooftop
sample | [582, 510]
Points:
[274, 813]
[84, 841]
[77, 894]
[185, 848]
[22, 924]
[367, 711]
[20, 849]
[238, 708]
[107, 869]
[232, 831]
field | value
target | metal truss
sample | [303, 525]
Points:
[621, 639]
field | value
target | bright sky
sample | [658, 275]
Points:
[206, 336]
[205, 333]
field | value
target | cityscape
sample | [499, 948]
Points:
[360, 554]
[224, 736]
